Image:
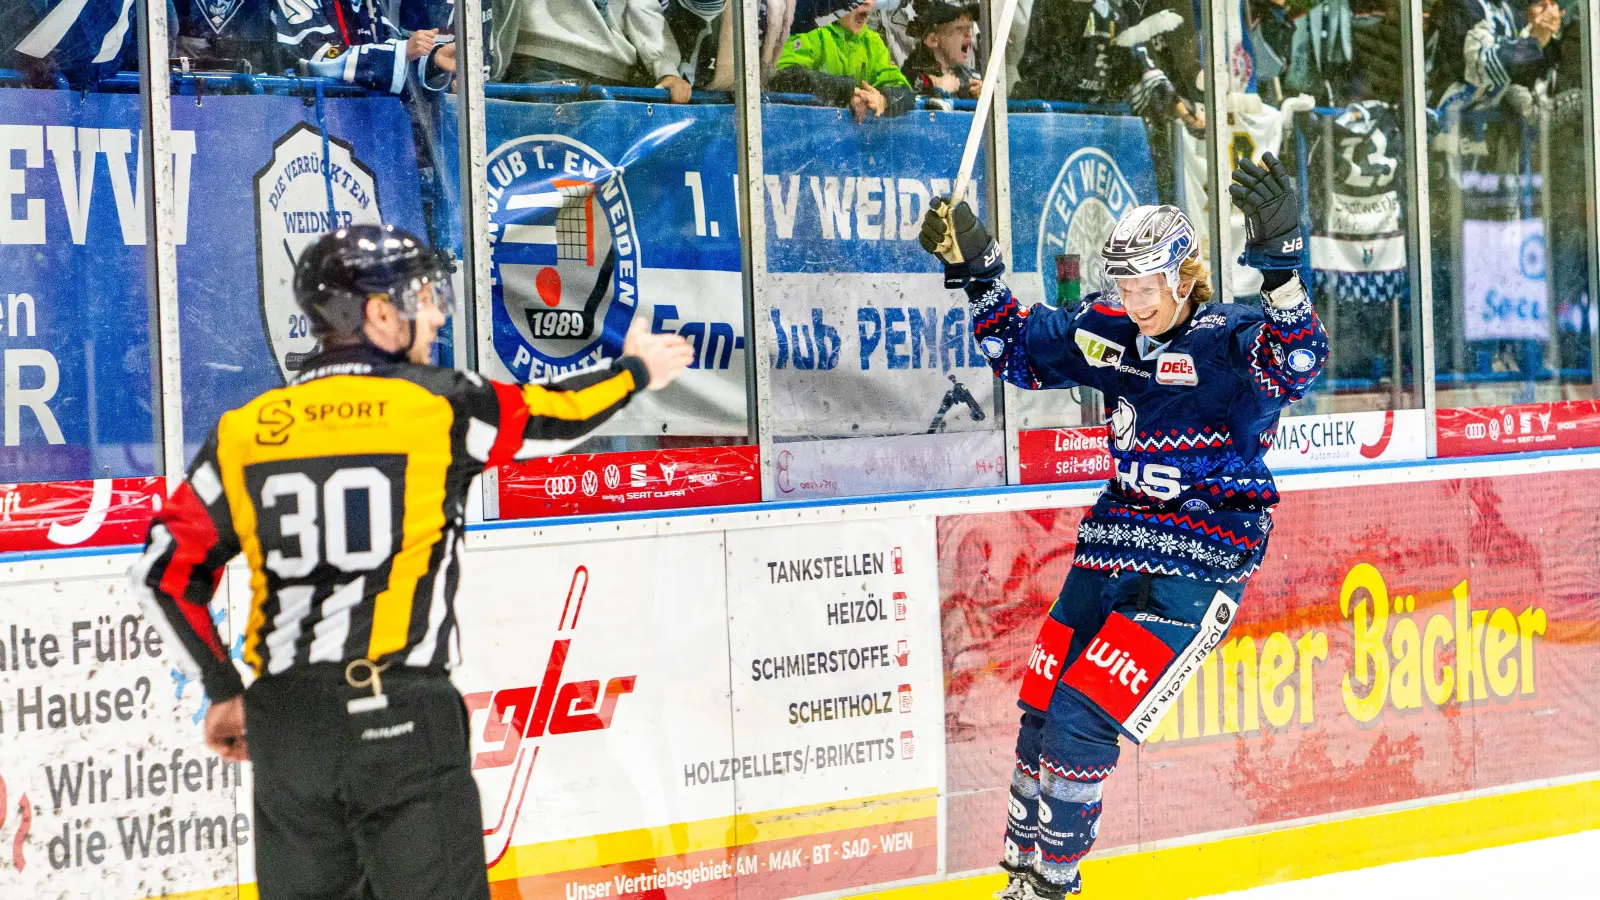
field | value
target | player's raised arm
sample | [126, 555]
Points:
[542, 419]
[1286, 353]
[1031, 348]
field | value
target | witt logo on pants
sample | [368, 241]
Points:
[517, 717]
[1044, 664]
[1120, 664]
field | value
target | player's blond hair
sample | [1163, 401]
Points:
[1194, 271]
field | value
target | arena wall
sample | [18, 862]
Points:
[803, 699]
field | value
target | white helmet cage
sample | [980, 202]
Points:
[1147, 240]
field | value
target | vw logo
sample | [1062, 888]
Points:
[613, 477]
[591, 483]
[560, 485]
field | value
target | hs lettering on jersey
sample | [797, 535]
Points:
[1151, 479]
[1176, 368]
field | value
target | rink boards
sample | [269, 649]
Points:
[801, 699]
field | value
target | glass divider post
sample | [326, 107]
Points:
[753, 243]
[161, 253]
[1219, 84]
[1419, 250]
[998, 163]
[474, 329]
[1591, 156]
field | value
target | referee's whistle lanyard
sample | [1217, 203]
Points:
[362, 673]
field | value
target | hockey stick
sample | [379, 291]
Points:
[980, 116]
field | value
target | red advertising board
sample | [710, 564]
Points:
[1561, 425]
[626, 482]
[1055, 455]
[59, 515]
[1398, 644]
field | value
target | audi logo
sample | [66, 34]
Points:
[561, 485]
[613, 477]
[591, 483]
[1475, 430]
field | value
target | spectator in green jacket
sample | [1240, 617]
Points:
[844, 63]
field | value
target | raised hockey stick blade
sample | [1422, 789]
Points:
[980, 116]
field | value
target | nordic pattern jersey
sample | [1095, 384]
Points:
[1192, 494]
[346, 493]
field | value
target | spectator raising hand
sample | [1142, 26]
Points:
[846, 64]
[1544, 21]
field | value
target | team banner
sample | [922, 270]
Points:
[254, 182]
[604, 210]
[1352, 677]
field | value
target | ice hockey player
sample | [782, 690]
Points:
[1193, 396]
[346, 492]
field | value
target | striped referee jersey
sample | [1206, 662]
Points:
[346, 492]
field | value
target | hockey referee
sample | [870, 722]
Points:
[346, 492]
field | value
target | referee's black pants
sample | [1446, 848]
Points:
[370, 806]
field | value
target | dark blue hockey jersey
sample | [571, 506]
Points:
[1192, 494]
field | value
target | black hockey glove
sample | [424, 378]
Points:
[957, 237]
[1271, 215]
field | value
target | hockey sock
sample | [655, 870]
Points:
[1022, 817]
[1069, 820]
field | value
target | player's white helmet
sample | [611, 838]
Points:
[1148, 240]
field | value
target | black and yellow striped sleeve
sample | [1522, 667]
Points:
[544, 419]
[190, 541]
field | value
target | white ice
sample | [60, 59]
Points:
[1560, 868]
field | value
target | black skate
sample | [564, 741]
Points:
[1017, 884]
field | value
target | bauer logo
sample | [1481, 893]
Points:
[1089, 195]
[307, 190]
[564, 256]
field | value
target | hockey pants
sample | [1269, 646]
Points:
[377, 804]
[1111, 659]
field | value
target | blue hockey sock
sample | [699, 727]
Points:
[1022, 817]
[1069, 821]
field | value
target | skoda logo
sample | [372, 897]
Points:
[564, 258]
[1089, 195]
[561, 485]
[591, 483]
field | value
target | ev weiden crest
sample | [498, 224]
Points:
[1089, 195]
[306, 190]
[565, 257]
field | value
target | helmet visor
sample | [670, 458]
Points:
[434, 289]
[1138, 292]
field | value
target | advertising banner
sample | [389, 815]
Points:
[587, 483]
[1353, 676]
[106, 788]
[620, 754]
[888, 465]
[59, 515]
[1560, 425]
[833, 634]
[1054, 455]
